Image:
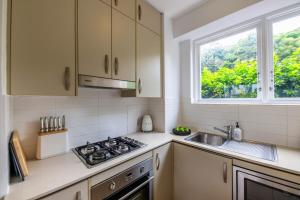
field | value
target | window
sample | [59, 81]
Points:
[286, 58]
[258, 61]
[229, 67]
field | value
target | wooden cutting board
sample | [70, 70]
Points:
[20, 153]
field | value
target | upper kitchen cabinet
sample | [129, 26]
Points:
[123, 47]
[43, 48]
[127, 7]
[148, 63]
[148, 16]
[94, 38]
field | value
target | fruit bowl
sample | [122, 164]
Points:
[182, 131]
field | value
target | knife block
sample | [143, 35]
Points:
[52, 144]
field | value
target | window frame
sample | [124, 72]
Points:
[218, 36]
[265, 64]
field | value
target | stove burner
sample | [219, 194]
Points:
[90, 148]
[99, 156]
[99, 152]
[121, 148]
[110, 142]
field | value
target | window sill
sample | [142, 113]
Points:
[257, 103]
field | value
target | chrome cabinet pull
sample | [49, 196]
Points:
[157, 161]
[225, 172]
[140, 12]
[116, 66]
[106, 64]
[78, 195]
[116, 2]
[67, 78]
[140, 86]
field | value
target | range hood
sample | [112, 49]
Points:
[96, 82]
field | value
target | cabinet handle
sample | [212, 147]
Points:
[116, 66]
[116, 2]
[78, 195]
[106, 64]
[225, 172]
[157, 161]
[140, 86]
[140, 12]
[67, 78]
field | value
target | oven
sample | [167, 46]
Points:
[250, 185]
[135, 183]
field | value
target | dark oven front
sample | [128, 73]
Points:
[135, 183]
[250, 185]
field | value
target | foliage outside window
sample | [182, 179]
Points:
[286, 44]
[230, 66]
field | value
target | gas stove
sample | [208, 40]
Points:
[94, 154]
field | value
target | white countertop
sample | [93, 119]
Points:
[53, 174]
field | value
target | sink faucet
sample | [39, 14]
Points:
[228, 131]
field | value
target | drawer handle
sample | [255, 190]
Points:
[78, 195]
[140, 12]
[157, 161]
[225, 172]
[116, 66]
[140, 86]
[106, 64]
[67, 78]
[116, 2]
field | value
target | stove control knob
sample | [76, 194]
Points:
[142, 170]
[112, 185]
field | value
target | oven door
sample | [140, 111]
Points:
[139, 190]
[249, 185]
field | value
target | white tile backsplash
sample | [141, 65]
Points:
[93, 115]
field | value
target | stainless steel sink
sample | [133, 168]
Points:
[207, 138]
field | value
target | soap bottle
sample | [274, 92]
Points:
[237, 133]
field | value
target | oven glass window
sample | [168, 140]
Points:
[257, 191]
[143, 193]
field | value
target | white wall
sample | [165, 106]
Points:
[192, 26]
[92, 116]
[172, 77]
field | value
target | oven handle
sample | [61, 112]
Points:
[137, 188]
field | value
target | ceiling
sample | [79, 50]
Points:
[175, 8]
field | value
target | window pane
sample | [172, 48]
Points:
[229, 67]
[286, 36]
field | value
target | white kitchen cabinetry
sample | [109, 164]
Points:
[123, 47]
[43, 48]
[201, 175]
[148, 63]
[94, 38]
[163, 172]
[75, 192]
[148, 16]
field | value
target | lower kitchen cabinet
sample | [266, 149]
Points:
[201, 175]
[75, 192]
[163, 172]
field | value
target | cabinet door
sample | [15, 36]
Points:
[148, 63]
[201, 175]
[94, 38]
[75, 192]
[123, 47]
[127, 7]
[148, 16]
[43, 47]
[163, 172]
